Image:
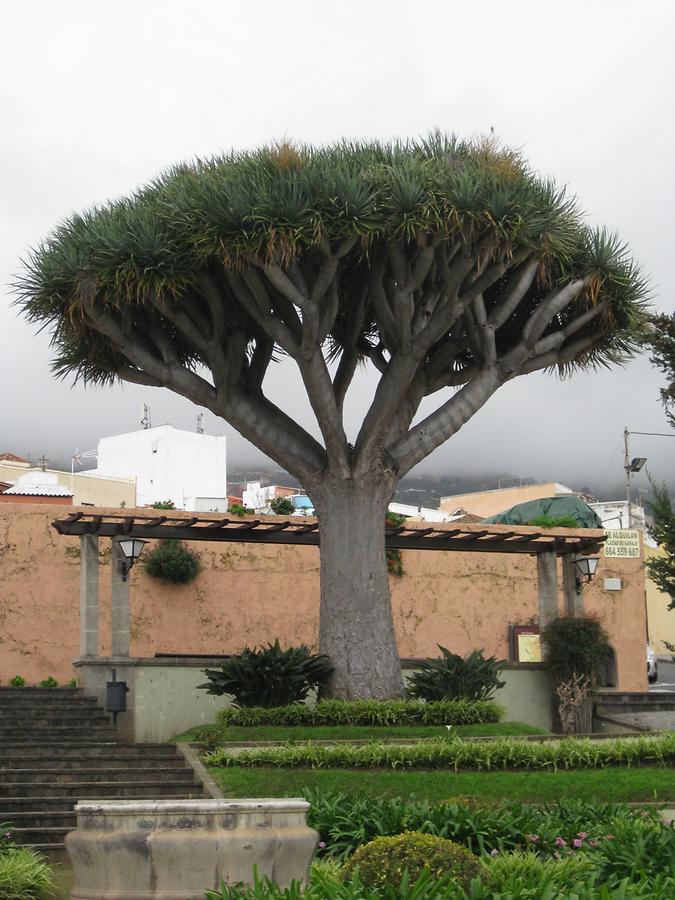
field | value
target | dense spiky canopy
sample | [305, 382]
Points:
[443, 263]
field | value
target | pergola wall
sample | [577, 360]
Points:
[162, 697]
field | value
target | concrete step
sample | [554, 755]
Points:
[34, 806]
[610, 709]
[65, 818]
[99, 789]
[62, 693]
[41, 835]
[28, 703]
[21, 749]
[74, 776]
[58, 732]
[46, 719]
[104, 760]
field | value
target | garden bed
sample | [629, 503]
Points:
[621, 784]
[212, 735]
[454, 753]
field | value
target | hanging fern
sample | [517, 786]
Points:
[172, 561]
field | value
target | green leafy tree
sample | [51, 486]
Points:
[282, 506]
[661, 569]
[448, 266]
[662, 344]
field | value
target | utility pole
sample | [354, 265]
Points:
[626, 465]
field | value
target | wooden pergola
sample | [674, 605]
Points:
[480, 538]
[545, 544]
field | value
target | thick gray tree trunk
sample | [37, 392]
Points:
[357, 627]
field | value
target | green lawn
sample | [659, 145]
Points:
[616, 784]
[357, 732]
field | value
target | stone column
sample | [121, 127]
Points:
[88, 595]
[574, 599]
[121, 619]
[547, 572]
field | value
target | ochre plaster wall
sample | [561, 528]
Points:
[661, 617]
[251, 594]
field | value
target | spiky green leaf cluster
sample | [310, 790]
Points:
[282, 203]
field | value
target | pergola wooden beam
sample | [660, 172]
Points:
[478, 538]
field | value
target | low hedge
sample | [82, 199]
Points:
[365, 712]
[503, 753]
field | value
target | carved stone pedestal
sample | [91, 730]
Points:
[179, 849]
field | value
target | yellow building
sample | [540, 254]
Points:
[88, 489]
[489, 503]
[660, 619]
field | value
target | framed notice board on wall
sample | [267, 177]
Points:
[525, 642]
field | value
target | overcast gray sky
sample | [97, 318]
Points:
[97, 97]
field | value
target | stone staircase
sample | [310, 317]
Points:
[57, 747]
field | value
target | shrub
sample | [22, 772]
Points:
[526, 875]
[576, 647]
[282, 506]
[164, 504]
[346, 822]
[555, 522]
[18, 681]
[24, 874]
[452, 677]
[384, 860]
[72, 683]
[365, 712]
[172, 561]
[48, 682]
[269, 677]
[237, 509]
[501, 753]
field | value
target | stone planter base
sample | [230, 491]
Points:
[179, 849]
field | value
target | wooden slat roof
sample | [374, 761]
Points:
[480, 537]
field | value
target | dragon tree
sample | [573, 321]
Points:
[450, 267]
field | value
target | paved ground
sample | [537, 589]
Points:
[666, 680]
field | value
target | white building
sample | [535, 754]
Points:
[615, 514]
[424, 513]
[169, 464]
[258, 497]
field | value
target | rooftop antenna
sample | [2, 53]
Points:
[200, 423]
[145, 421]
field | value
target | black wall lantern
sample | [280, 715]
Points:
[132, 549]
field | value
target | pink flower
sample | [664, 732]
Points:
[560, 842]
[593, 844]
[494, 852]
[533, 838]
[322, 845]
[583, 835]
[577, 843]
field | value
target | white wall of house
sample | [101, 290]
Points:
[421, 513]
[614, 514]
[168, 464]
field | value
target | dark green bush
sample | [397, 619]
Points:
[48, 682]
[282, 506]
[555, 522]
[383, 861]
[576, 647]
[18, 681]
[269, 677]
[164, 504]
[365, 712]
[172, 561]
[236, 509]
[452, 677]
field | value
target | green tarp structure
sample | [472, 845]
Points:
[569, 506]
